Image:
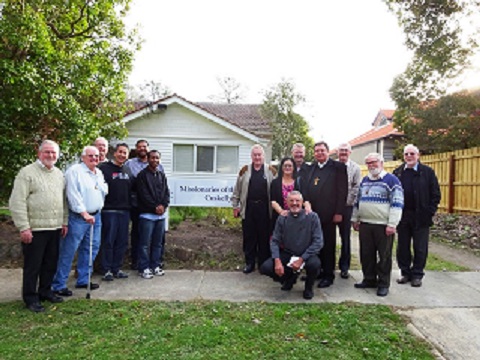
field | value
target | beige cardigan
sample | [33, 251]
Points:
[38, 201]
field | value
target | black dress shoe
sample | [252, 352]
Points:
[63, 292]
[248, 268]
[93, 286]
[289, 282]
[365, 285]
[308, 294]
[344, 274]
[382, 291]
[54, 299]
[403, 280]
[416, 282]
[36, 307]
[324, 283]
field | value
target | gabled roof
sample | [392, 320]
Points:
[241, 118]
[376, 134]
[383, 114]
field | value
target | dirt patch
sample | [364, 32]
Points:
[202, 244]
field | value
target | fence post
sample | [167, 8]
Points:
[451, 187]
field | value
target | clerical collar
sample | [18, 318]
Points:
[321, 165]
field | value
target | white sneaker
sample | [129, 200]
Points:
[147, 274]
[158, 271]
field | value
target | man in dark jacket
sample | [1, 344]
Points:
[422, 196]
[296, 241]
[153, 200]
[325, 191]
[116, 213]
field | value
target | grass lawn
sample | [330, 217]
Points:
[86, 329]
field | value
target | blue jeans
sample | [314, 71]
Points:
[78, 238]
[150, 234]
[114, 239]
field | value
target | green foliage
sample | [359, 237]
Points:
[63, 66]
[442, 47]
[288, 127]
[451, 123]
[85, 329]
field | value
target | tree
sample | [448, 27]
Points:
[287, 126]
[63, 66]
[450, 123]
[153, 90]
[232, 91]
[442, 43]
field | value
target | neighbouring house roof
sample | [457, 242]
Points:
[376, 134]
[246, 117]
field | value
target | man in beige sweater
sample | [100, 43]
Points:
[38, 209]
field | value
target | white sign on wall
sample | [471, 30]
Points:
[204, 192]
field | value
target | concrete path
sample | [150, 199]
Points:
[445, 310]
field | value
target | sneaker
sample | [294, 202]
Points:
[108, 276]
[120, 275]
[158, 271]
[146, 274]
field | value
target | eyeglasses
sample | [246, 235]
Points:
[409, 154]
[371, 162]
[287, 166]
[93, 156]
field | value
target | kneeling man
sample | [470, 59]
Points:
[296, 241]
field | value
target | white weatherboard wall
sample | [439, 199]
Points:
[180, 125]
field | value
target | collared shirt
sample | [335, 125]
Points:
[321, 165]
[86, 190]
[380, 176]
[136, 165]
[414, 168]
[41, 164]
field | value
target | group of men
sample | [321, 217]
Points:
[333, 194]
[60, 215]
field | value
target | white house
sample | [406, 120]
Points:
[202, 145]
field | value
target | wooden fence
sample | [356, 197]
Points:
[458, 174]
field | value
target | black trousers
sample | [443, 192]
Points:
[40, 259]
[345, 228]
[375, 254]
[256, 232]
[408, 232]
[327, 254]
[312, 267]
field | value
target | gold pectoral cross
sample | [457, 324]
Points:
[315, 182]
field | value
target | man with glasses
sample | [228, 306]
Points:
[422, 196]
[86, 191]
[376, 215]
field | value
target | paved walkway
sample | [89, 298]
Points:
[445, 310]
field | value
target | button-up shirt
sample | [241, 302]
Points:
[86, 189]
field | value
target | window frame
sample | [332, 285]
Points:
[195, 157]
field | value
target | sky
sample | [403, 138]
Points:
[341, 55]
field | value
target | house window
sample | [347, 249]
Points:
[205, 159]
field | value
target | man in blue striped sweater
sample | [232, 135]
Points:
[376, 214]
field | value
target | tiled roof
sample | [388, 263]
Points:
[375, 134]
[245, 116]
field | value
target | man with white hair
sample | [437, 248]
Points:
[354, 177]
[37, 205]
[376, 215]
[102, 145]
[251, 201]
[422, 196]
[86, 191]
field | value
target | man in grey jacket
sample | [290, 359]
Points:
[345, 227]
[296, 241]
